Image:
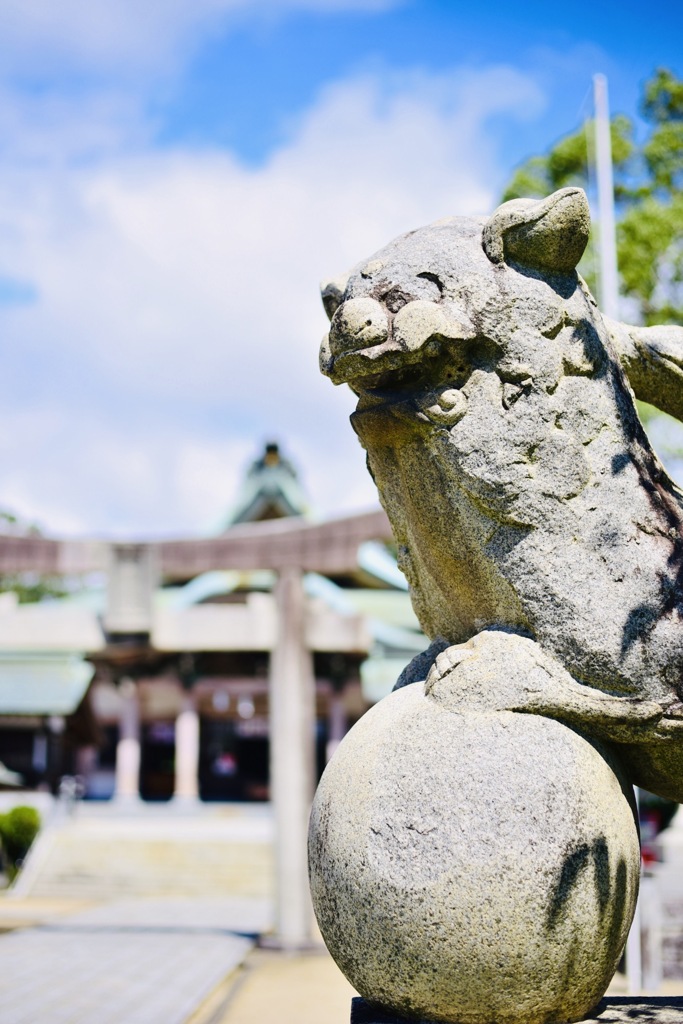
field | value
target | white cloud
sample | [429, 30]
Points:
[188, 282]
[130, 37]
[151, 480]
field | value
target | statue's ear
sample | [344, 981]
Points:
[550, 234]
[332, 292]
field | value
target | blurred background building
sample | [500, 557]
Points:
[156, 682]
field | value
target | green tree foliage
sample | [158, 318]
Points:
[28, 586]
[648, 192]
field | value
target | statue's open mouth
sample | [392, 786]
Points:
[381, 367]
[397, 383]
[382, 400]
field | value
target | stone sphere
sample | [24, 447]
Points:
[474, 867]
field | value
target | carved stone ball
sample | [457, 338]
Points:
[473, 867]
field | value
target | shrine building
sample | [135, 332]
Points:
[175, 677]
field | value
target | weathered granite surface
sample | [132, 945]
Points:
[503, 437]
[615, 1010]
[473, 850]
[478, 867]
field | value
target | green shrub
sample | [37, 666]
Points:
[18, 828]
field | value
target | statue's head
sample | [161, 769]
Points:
[423, 311]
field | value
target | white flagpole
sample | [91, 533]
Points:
[609, 286]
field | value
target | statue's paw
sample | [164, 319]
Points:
[499, 671]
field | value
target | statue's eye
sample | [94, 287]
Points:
[432, 288]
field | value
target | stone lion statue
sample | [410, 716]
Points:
[540, 535]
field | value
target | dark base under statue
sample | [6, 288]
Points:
[614, 1010]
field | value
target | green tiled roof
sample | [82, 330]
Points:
[43, 685]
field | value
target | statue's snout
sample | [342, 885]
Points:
[364, 340]
[358, 324]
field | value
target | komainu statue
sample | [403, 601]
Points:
[474, 857]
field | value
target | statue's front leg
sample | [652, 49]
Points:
[652, 358]
[502, 671]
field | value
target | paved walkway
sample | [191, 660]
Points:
[143, 962]
[164, 961]
[276, 988]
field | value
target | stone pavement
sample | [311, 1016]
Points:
[138, 962]
[280, 988]
[133, 914]
[306, 988]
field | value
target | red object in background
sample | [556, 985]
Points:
[650, 827]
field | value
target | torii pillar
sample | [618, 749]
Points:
[292, 760]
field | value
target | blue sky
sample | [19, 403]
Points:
[176, 177]
[277, 68]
